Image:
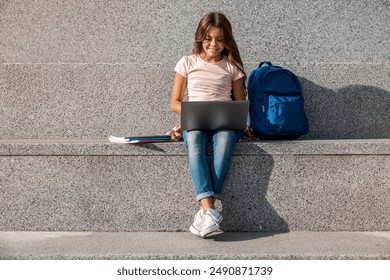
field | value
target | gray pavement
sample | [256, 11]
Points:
[184, 245]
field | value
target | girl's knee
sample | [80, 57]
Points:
[195, 141]
[227, 138]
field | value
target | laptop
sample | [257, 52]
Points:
[214, 115]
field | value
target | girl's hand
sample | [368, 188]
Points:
[175, 132]
[246, 135]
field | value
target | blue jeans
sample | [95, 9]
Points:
[208, 177]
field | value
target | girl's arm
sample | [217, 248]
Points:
[239, 89]
[179, 87]
[239, 93]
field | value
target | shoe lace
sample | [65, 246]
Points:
[210, 218]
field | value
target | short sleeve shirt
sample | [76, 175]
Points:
[208, 81]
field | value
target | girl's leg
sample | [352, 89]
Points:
[207, 202]
[196, 143]
[223, 145]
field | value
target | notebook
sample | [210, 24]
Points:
[141, 139]
[214, 115]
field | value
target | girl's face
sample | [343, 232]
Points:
[213, 44]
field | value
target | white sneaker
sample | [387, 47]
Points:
[212, 219]
[198, 222]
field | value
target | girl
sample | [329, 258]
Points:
[214, 72]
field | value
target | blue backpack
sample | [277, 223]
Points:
[276, 107]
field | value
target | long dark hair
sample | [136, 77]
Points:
[215, 19]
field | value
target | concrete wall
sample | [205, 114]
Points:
[88, 69]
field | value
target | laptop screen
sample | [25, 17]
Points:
[214, 115]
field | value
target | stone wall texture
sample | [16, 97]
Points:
[90, 68]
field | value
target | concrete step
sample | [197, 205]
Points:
[93, 101]
[273, 186]
[184, 245]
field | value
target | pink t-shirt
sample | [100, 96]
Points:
[208, 81]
